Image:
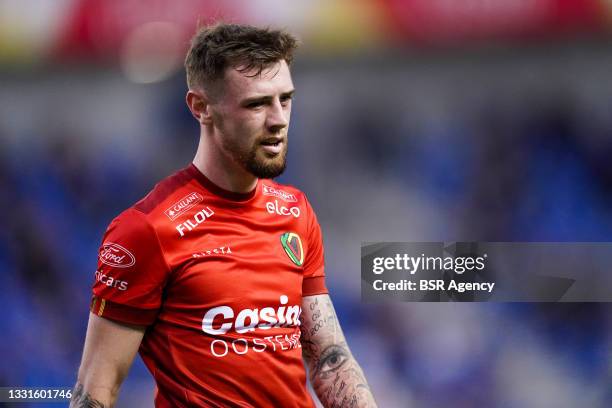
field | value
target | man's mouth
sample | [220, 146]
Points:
[273, 145]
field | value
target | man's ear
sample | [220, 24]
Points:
[199, 105]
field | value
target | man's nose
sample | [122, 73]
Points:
[278, 117]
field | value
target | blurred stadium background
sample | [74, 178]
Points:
[414, 120]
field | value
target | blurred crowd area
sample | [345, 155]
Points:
[489, 128]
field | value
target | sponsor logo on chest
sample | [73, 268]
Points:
[223, 250]
[283, 195]
[192, 223]
[180, 207]
[219, 321]
[275, 208]
[248, 320]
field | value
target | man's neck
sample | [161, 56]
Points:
[222, 170]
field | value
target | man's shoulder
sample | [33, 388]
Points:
[167, 200]
[168, 189]
[162, 199]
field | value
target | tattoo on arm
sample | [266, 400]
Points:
[82, 399]
[334, 373]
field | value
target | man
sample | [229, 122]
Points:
[216, 276]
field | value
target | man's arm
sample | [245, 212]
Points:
[335, 375]
[108, 354]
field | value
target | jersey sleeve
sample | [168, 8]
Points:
[131, 272]
[314, 264]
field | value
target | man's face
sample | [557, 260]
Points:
[251, 117]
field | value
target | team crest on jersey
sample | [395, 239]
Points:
[292, 244]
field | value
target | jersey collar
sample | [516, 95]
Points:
[215, 189]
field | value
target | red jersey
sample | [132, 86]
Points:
[218, 277]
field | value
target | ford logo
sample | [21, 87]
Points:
[115, 255]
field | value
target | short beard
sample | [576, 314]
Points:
[264, 170]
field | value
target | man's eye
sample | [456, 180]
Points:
[285, 100]
[332, 359]
[254, 105]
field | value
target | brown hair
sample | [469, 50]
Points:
[214, 48]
